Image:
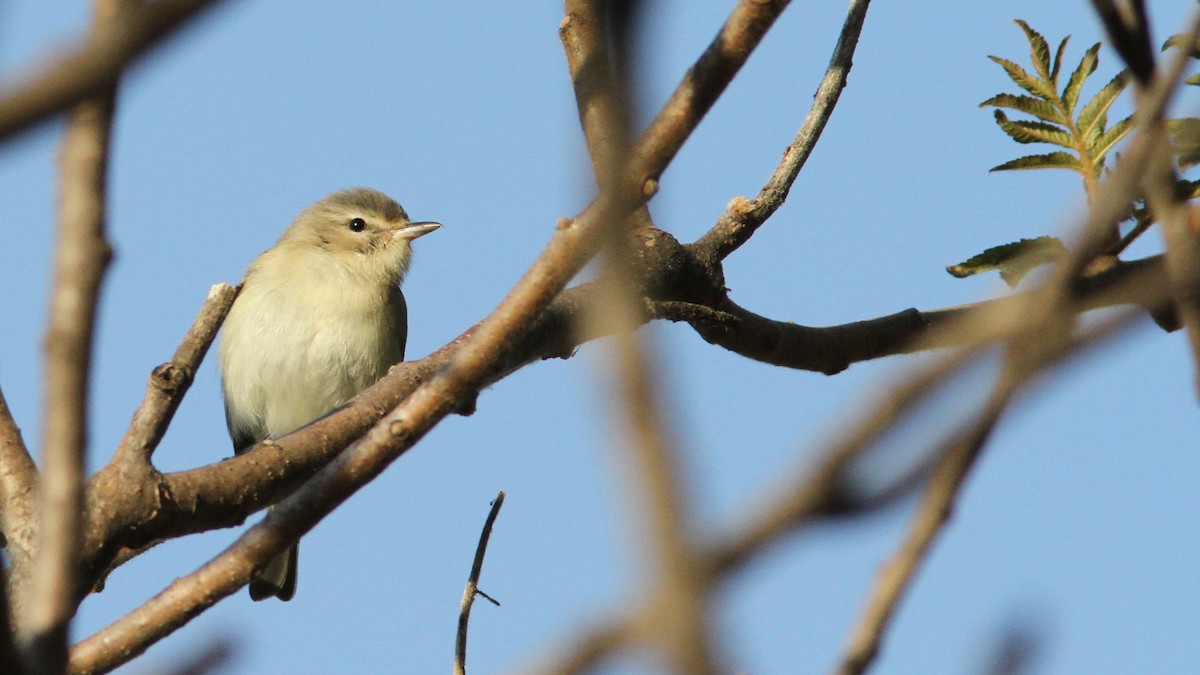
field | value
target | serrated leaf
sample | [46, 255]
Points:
[1039, 51]
[1189, 42]
[1024, 80]
[1027, 104]
[1095, 109]
[1109, 138]
[1087, 66]
[1062, 46]
[1012, 260]
[1185, 138]
[1054, 160]
[1034, 132]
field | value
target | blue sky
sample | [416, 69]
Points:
[1081, 517]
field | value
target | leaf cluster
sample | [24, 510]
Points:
[1086, 137]
[1056, 117]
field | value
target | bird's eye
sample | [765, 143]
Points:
[358, 225]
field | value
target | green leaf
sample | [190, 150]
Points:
[1189, 42]
[1034, 132]
[1096, 108]
[1054, 160]
[1087, 66]
[1012, 260]
[1185, 138]
[1100, 147]
[1193, 79]
[1039, 50]
[1024, 80]
[1062, 46]
[1027, 104]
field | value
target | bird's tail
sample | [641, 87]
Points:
[278, 580]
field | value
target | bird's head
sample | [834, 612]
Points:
[361, 228]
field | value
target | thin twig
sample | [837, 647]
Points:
[82, 256]
[738, 223]
[472, 589]
[93, 67]
[170, 381]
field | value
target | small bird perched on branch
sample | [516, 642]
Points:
[320, 317]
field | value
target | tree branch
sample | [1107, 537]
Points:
[93, 67]
[82, 257]
[739, 222]
[472, 589]
[171, 380]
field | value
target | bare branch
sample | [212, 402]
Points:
[171, 380]
[81, 259]
[472, 589]
[738, 223]
[702, 84]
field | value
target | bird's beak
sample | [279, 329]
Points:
[414, 230]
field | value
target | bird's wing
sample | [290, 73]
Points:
[399, 311]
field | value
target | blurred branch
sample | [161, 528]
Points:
[587, 648]
[679, 629]
[18, 490]
[738, 223]
[92, 67]
[82, 255]
[472, 589]
[601, 113]
[894, 579]
[1181, 230]
[1129, 32]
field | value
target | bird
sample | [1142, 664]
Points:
[319, 318]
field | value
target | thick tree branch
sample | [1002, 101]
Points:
[738, 223]
[81, 259]
[93, 66]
